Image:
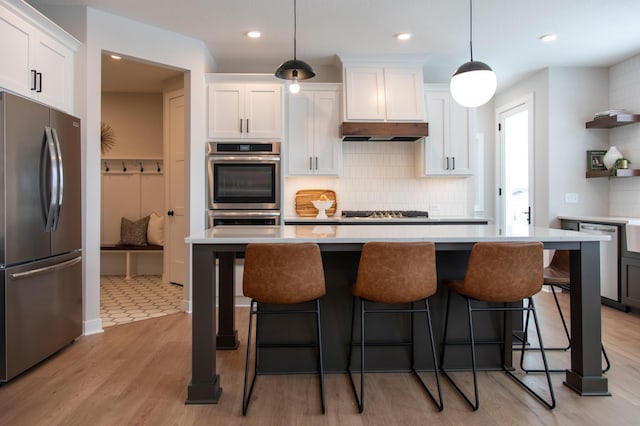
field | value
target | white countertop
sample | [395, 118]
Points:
[605, 219]
[238, 234]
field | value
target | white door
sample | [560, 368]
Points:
[175, 246]
[515, 191]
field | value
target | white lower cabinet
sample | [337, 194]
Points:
[314, 146]
[448, 150]
[35, 64]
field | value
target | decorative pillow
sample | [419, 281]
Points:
[133, 233]
[155, 231]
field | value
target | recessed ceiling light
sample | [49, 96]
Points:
[116, 57]
[254, 34]
[548, 38]
[403, 36]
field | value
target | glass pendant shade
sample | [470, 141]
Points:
[473, 84]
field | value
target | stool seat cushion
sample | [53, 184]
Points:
[396, 272]
[502, 272]
[283, 273]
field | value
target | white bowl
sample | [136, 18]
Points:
[322, 206]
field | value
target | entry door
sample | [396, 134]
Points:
[176, 247]
[515, 191]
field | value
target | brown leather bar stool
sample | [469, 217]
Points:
[500, 273]
[394, 274]
[556, 275]
[282, 274]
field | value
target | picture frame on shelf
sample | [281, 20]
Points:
[595, 160]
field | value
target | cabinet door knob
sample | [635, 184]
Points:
[447, 168]
[453, 163]
[247, 125]
[310, 163]
[241, 125]
[170, 213]
[39, 74]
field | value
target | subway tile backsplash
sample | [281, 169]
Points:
[382, 176]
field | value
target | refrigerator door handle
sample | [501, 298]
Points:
[56, 140]
[47, 269]
[52, 201]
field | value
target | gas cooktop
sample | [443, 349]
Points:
[384, 214]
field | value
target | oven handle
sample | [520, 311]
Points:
[248, 214]
[244, 158]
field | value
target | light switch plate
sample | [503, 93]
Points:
[571, 197]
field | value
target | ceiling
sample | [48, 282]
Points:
[505, 32]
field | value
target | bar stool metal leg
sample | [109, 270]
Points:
[247, 397]
[320, 362]
[566, 331]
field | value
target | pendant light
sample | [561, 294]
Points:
[294, 69]
[474, 83]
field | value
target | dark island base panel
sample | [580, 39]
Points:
[336, 306]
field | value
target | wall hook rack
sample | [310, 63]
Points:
[106, 166]
[141, 168]
[124, 168]
[158, 164]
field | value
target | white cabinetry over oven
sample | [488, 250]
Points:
[448, 150]
[384, 92]
[314, 146]
[245, 111]
[37, 56]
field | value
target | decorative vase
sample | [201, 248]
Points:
[611, 157]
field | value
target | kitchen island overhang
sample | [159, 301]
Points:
[453, 242]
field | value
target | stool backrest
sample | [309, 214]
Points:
[504, 272]
[396, 272]
[560, 261]
[283, 273]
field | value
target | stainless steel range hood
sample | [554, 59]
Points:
[383, 132]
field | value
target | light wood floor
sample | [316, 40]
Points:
[138, 374]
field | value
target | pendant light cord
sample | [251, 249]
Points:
[295, 20]
[470, 29]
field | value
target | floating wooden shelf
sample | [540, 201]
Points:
[619, 173]
[613, 121]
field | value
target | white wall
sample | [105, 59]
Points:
[624, 85]
[101, 31]
[136, 120]
[564, 99]
[575, 94]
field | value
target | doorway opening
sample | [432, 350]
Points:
[515, 180]
[135, 191]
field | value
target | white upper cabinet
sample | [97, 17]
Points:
[245, 111]
[447, 151]
[314, 146]
[37, 57]
[384, 93]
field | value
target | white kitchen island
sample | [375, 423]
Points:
[340, 246]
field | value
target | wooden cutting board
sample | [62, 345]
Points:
[304, 205]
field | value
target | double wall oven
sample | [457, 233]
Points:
[243, 183]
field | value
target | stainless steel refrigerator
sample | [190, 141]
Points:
[40, 233]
